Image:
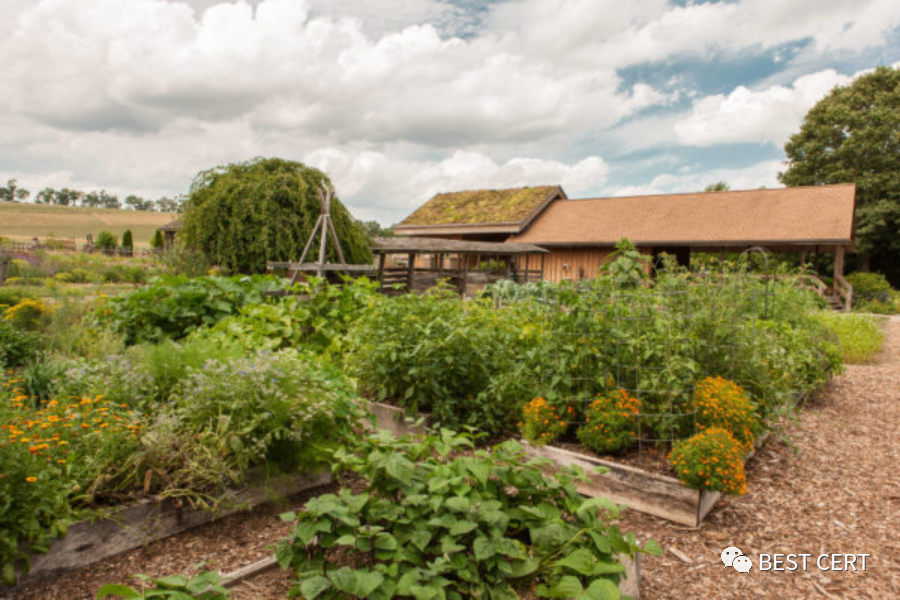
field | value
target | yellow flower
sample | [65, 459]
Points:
[31, 479]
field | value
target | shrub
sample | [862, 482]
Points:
[610, 422]
[128, 240]
[17, 347]
[542, 422]
[860, 337]
[107, 240]
[710, 460]
[9, 297]
[724, 404]
[435, 353]
[869, 286]
[281, 411]
[157, 242]
[440, 521]
[28, 314]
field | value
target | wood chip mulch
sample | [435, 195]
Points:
[830, 485]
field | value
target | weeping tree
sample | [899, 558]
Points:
[244, 214]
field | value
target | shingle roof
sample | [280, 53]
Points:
[507, 210]
[819, 214]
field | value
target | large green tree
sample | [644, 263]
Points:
[853, 136]
[244, 214]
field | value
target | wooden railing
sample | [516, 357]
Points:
[844, 291]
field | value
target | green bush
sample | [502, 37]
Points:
[438, 520]
[869, 286]
[107, 240]
[17, 347]
[172, 307]
[435, 353]
[319, 320]
[279, 411]
[860, 337]
[157, 241]
[203, 586]
[128, 240]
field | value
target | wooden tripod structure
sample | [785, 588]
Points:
[326, 225]
[324, 228]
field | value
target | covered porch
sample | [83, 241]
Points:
[418, 263]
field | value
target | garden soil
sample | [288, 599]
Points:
[829, 485]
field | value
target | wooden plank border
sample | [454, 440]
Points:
[143, 522]
[651, 493]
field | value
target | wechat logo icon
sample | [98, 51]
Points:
[733, 557]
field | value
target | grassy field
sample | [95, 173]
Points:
[22, 221]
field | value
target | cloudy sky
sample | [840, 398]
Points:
[399, 99]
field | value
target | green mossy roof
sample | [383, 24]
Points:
[478, 207]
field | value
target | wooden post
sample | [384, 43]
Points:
[440, 265]
[411, 273]
[838, 265]
[464, 275]
[381, 257]
[543, 260]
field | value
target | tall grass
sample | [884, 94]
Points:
[860, 336]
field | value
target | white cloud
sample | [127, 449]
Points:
[387, 188]
[139, 95]
[768, 115]
[695, 179]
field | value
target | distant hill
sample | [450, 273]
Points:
[24, 221]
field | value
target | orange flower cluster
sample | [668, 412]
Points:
[610, 422]
[723, 403]
[49, 431]
[541, 423]
[711, 460]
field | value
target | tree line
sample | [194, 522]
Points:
[12, 192]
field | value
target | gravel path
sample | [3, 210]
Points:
[834, 487]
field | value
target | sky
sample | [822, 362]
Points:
[397, 100]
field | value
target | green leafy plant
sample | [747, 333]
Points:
[127, 240]
[107, 240]
[280, 411]
[173, 306]
[860, 337]
[711, 460]
[463, 362]
[17, 347]
[437, 522]
[203, 586]
[628, 267]
[610, 422]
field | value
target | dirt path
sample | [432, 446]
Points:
[838, 491]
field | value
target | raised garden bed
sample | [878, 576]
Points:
[651, 493]
[143, 522]
[392, 419]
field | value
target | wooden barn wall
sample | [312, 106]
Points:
[574, 263]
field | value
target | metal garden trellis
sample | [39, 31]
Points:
[605, 338]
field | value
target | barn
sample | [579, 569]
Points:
[579, 234]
